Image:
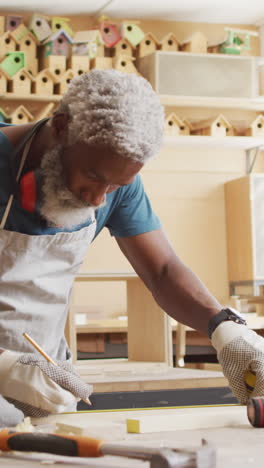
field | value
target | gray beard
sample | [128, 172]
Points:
[59, 206]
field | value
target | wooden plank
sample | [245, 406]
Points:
[149, 328]
[187, 418]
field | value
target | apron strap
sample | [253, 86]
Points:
[24, 143]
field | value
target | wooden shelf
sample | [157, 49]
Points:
[30, 97]
[239, 142]
[254, 104]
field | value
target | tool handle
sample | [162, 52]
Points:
[73, 446]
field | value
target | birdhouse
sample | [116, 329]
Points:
[148, 45]
[174, 126]
[196, 43]
[169, 43]
[19, 32]
[2, 25]
[20, 115]
[256, 128]
[58, 44]
[102, 63]
[7, 44]
[21, 82]
[88, 43]
[62, 85]
[56, 64]
[125, 64]
[13, 62]
[44, 82]
[132, 33]
[12, 22]
[40, 27]
[32, 66]
[110, 33]
[3, 115]
[79, 64]
[4, 79]
[123, 47]
[58, 24]
[217, 127]
[28, 44]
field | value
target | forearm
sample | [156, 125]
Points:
[183, 296]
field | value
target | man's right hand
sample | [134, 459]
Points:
[38, 384]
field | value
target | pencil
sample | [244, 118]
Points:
[46, 356]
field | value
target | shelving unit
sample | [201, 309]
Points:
[254, 104]
[239, 142]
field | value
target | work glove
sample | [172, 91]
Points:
[9, 414]
[240, 350]
[39, 388]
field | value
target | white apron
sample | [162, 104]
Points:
[36, 277]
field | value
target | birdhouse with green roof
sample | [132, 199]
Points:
[133, 33]
[40, 27]
[13, 62]
[3, 115]
[58, 23]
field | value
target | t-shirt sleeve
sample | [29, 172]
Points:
[133, 213]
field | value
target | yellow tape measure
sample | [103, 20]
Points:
[250, 380]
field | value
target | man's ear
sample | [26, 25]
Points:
[60, 125]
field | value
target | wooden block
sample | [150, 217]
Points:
[102, 63]
[159, 420]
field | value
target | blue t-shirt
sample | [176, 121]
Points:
[127, 211]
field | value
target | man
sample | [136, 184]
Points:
[62, 181]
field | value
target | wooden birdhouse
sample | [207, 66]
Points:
[58, 24]
[3, 115]
[58, 44]
[56, 64]
[13, 62]
[102, 63]
[148, 45]
[196, 43]
[7, 44]
[19, 32]
[88, 43]
[21, 82]
[4, 79]
[62, 85]
[174, 126]
[2, 25]
[125, 64]
[110, 33]
[132, 32]
[44, 83]
[12, 22]
[169, 43]
[123, 47]
[28, 44]
[32, 66]
[79, 64]
[256, 128]
[21, 115]
[217, 126]
[40, 27]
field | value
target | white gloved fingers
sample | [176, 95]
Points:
[9, 414]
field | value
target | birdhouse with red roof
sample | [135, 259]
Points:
[12, 22]
[21, 115]
[40, 27]
[148, 45]
[44, 83]
[21, 83]
[7, 44]
[58, 44]
[110, 33]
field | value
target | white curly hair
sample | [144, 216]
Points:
[117, 110]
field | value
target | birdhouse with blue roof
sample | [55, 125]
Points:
[58, 24]
[7, 44]
[40, 27]
[58, 44]
[132, 32]
[12, 22]
[3, 115]
[110, 33]
[13, 62]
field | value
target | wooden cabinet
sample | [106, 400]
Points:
[244, 202]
